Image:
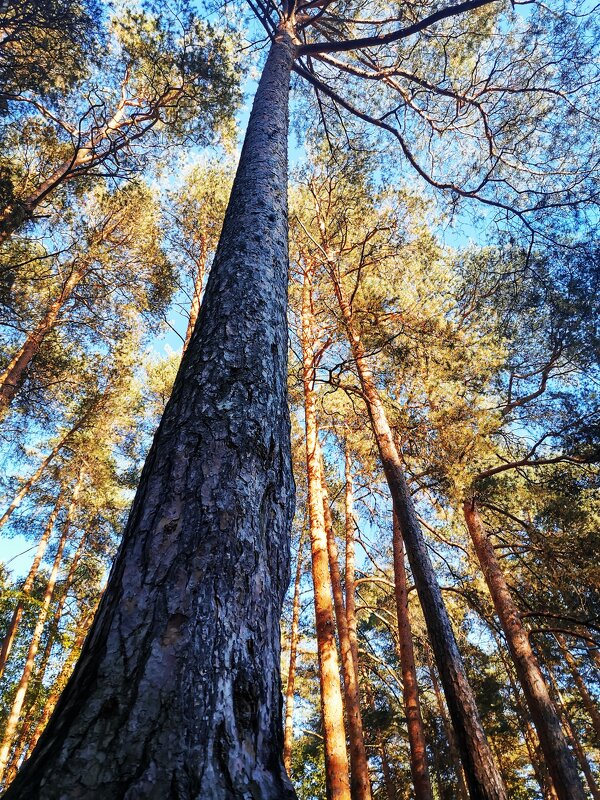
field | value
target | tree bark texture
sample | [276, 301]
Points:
[177, 691]
[410, 688]
[360, 783]
[561, 764]
[482, 775]
[288, 734]
[336, 757]
[13, 625]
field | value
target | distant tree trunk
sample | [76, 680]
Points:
[13, 625]
[288, 735]
[17, 704]
[336, 759]
[177, 692]
[588, 701]
[483, 777]
[388, 781]
[574, 738]
[461, 793]
[197, 295]
[360, 785]
[561, 763]
[24, 490]
[13, 375]
[410, 687]
[350, 559]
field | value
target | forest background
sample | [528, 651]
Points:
[477, 330]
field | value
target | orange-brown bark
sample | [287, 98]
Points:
[350, 558]
[289, 693]
[360, 782]
[336, 758]
[559, 759]
[588, 701]
[410, 688]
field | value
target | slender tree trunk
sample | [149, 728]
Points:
[177, 692]
[24, 490]
[350, 559]
[559, 759]
[574, 738]
[410, 687]
[388, 780]
[288, 735]
[12, 377]
[336, 759]
[483, 777]
[360, 785]
[13, 625]
[17, 704]
[196, 296]
[461, 793]
[588, 701]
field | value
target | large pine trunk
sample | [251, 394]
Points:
[561, 763]
[177, 692]
[482, 775]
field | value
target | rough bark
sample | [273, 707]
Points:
[14, 715]
[410, 688]
[13, 625]
[560, 762]
[360, 783]
[350, 558]
[13, 375]
[177, 691]
[288, 734]
[481, 772]
[336, 758]
[588, 701]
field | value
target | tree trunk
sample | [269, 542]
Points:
[336, 759]
[588, 701]
[350, 559]
[561, 763]
[574, 739]
[288, 735]
[410, 687]
[177, 692]
[454, 754]
[13, 375]
[196, 296]
[17, 704]
[388, 780]
[13, 625]
[483, 777]
[360, 785]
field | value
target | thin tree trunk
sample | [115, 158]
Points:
[12, 377]
[177, 691]
[350, 559]
[574, 738]
[360, 785]
[336, 759]
[483, 777]
[388, 780]
[13, 625]
[17, 704]
[410, 687]
[588, 701]
[559, 759]
[196, 296]
[462, 793]
[288, 735]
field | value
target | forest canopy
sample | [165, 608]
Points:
[299, 406]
